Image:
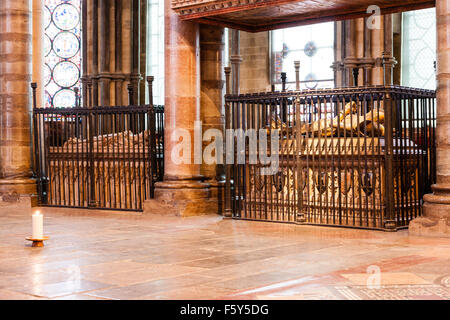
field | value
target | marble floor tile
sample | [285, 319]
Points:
[79, 297]
[385, 278]
[202, 292]
[150, 273]
[100, 269]
[54, 290]
[151, 287]
[254, 281]
[116, 255]
[14, 295]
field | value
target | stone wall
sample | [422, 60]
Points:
[255, 67]
[15, 102]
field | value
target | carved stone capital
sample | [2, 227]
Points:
[367, 63]
[351, 62]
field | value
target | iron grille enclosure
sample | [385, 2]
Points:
[101, 157]
[360, 157]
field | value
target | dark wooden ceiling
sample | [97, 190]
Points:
[262, 15]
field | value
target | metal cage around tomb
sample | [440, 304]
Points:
[360, 157]
[99, 157]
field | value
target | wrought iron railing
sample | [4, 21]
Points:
[358, 157]
[101, 157]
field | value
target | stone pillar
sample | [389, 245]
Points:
[135, 38]
[377, 48]
[94, 17]
[338, 54]
[236, 60]
[356, 46]
[118, 95]
[84, 46]
[351, 60]
[104, 52]
[143, 27]
[108, 46]
[15, 100]
[436, 219]
[388, 60]
[212, 96]
[183, 191]
[367, 62]
[251, 60]
[397, 46]
[38, 50]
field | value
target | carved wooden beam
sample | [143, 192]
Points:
[263, 15]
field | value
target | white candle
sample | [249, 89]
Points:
[38, 226]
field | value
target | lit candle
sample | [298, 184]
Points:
[38, 226]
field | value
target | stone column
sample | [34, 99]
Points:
[367, 62]
[95, 50]
[338, 54]
[143, 51]
[135, 47]
[15, 100]
[85, 54]
[118, 95]
[397, 46]
[236, 60]
[183, 191]
[107, 51]
[250, 62]
[104, 52]
[387, 57]
[38, 50]
[436, 219]
[351, 60]
[212, 94]
[377, 48]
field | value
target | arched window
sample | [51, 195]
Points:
[62, 49]
[313, 46]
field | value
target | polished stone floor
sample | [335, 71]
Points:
[105, 255]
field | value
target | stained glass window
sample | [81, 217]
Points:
[62, 49]
[419, 49]
[313, 46]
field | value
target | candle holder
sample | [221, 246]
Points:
[37, 243]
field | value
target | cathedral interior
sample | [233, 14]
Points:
[230, 150]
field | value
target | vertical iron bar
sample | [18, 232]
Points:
[228, 166]
[390, 223]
